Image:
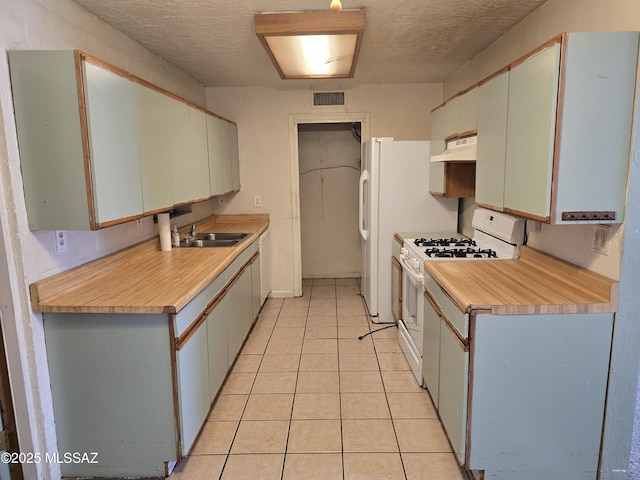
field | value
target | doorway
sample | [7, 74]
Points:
[329, 156]
[294, 122]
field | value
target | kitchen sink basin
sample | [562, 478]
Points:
[223, 239]
[212, 243]
[221, 236]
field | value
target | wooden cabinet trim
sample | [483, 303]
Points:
[558, 128]
[84, 132]
[130, 76]
[557, 39]
[462, 343]
[174, 385]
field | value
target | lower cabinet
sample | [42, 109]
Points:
[192, 362]
[137, 388]
[523, 396]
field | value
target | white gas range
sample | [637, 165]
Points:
[496, 236]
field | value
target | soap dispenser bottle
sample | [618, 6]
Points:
[175, 237]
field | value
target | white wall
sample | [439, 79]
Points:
[572, 243]
[329, 159]
[262, 115]
[27, 256]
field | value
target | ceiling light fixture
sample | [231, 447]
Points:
[312, 44]
[336, 5]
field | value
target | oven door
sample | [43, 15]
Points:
[412, 305]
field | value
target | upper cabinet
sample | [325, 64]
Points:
[99, 146]
[492, 141]
[455, 118]
[468, 113]
[566, 134]
[224, 168]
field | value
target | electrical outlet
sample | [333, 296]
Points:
[257, 201]
[221, 201]
[61, 241]
[537, 227]
[600, 242]
[139, 223]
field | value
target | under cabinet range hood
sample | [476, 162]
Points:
[459, 150]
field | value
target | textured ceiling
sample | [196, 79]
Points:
[405, 41]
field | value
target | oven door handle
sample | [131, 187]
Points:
[417, 277]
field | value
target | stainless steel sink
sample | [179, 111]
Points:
[222, 239]
[221, 236]
[212, 243]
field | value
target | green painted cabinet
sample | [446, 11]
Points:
[137, 388]
[224, 168]
[468, 112]
[155, 148]
[218, 135]
[457, 117]
[99, 146]
[520, 396]
[493, 98]
[69, 183]
[570, 108]
[234, 157]
[217, 328]
[192, 363]
[438, 145]
[189, 158]
[431, 348]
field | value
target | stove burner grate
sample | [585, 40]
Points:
[445, 242]
[468, 252]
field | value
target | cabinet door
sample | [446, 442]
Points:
[431, 348]
[217, 326]
[468, 112]
[155, 148]
[240, 318]
[234, 157]
[492, 141]
[193, 385]
[115, 165]
[396, 289]
[452, 403]
[189, 159]
[533, 95]
[438, 145]
[451, 110]
[218, 139]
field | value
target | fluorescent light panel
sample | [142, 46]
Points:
[312, 44]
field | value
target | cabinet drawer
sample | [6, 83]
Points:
[456, 318]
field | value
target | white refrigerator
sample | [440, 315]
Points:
[394, 197]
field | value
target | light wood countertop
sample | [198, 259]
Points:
[534, 283]
[142, 278]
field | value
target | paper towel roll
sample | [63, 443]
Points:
[164, 229]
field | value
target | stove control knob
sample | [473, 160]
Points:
[404, 251]
[415, 263]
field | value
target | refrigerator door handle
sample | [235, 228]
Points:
[364, 177]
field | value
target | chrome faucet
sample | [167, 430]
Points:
[190, 235]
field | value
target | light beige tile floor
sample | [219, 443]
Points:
[306, 399]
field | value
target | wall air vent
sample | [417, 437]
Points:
[328, 99]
